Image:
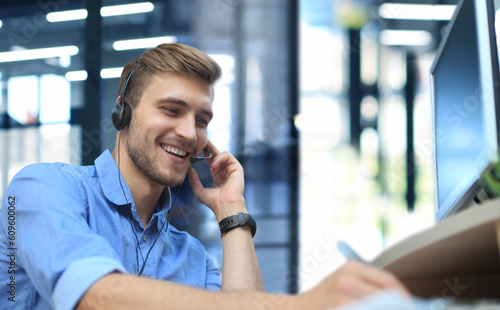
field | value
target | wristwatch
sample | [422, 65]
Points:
[240, 219]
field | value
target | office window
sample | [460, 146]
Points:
[38, 110]
[22, 99]
[219, 131]
[55, 96]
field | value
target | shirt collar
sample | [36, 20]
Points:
[164, 202]
[107, 170]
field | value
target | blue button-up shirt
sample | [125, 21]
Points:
[62, 227]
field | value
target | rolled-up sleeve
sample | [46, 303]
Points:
[78, 277]
[58, 251]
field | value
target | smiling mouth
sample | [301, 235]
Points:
[174, 151]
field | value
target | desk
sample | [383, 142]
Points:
[458, 257]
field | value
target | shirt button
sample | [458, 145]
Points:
[144, 237]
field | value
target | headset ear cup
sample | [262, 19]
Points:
[122, 112]
[126, 115]
[116, 116]
[121, 115]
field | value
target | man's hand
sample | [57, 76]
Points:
[226, 197]
[240, 268]
[350, 283]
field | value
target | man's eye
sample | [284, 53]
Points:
[171, 110]
[202, 121]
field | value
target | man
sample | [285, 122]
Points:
[97, 237]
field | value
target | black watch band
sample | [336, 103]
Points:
[240, 219]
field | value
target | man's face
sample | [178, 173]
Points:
[169, 126]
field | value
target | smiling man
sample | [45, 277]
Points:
[98, 237]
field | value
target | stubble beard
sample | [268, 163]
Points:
[142, 154]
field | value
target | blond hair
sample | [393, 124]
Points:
[174, 58]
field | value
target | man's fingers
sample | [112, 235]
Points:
[221, 160]
[356, 289]
[376, 277]
[194, 180]
[354, 281]
[213, 150]
[211, 147]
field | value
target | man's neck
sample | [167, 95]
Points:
[145, 197]
[145, 192]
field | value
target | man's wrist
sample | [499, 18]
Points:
[235, 221]
[228, 210]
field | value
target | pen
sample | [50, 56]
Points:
[349, 253]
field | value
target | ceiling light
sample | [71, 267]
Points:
[111, 73]
[1, 23]
[135, 8]
[64, 16]
[405, 37]
[142, 43]
[416, 11]
[81, 75]
[39, 53]
[73, 76]
[125, 9]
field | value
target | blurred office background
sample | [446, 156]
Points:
[326, 103]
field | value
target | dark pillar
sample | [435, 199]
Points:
[293, 146]
[91, 116]
[410, 150]
[355, 92]
[238, 113]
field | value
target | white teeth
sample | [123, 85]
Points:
[174, 150]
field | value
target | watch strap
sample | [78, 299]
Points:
[240, 219]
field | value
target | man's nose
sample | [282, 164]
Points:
[186, 128]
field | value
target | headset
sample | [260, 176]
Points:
[121, 116]
[122, 113]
